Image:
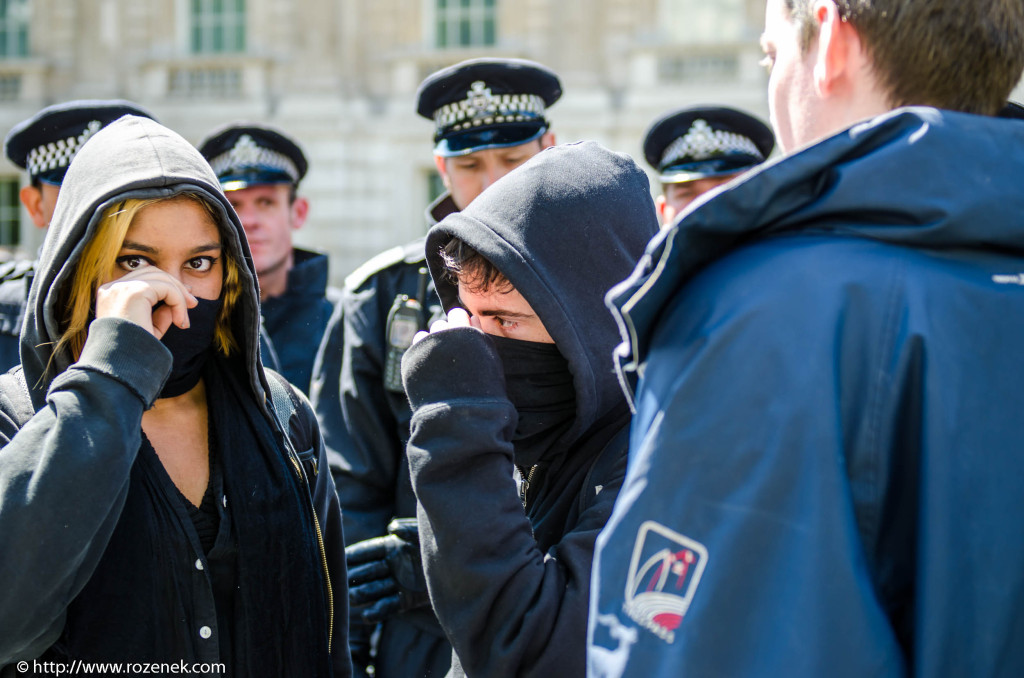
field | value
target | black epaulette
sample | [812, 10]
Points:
[411, 253]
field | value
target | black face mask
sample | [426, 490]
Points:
[190, 347]
[540, 385]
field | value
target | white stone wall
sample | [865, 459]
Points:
[341, 75]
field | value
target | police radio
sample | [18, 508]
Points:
[405, 319]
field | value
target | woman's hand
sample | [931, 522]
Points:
[135, 296]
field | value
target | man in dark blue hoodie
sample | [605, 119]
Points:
[825, 463]
[520, 376]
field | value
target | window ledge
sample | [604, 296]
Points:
[207, 76]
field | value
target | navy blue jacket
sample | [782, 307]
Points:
[296, 320]
[825, 471]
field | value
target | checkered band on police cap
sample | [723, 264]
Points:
[55, 154]
[702, 142]
[482, 107]
[247, 154]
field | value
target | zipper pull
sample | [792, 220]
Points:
[524, 487]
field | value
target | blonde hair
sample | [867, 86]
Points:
[100, 256]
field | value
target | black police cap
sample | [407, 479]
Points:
[44, 144]
[247, 154]
[487, 103]
[706, 141]
[1012, 110]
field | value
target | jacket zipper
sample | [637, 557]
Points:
[527, 478]
[323, 556]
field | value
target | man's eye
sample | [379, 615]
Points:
[506, 324]
[132, 262]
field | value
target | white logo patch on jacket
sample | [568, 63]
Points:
[663, 576]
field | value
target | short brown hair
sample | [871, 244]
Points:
[961, 55]
[464, 264]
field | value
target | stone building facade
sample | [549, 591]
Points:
[340, 75]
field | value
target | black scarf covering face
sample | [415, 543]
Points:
[540, 385]
[190, 347]
[139, 602]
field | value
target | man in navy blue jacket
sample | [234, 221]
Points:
[259, 168]
[825, 470]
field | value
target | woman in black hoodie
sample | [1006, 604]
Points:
[153, 510]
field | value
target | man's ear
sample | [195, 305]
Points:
[547, 140]
[661, 203]
[300, 210]
[442, 169]
[666, 212]
[32, 198]
[838, 47]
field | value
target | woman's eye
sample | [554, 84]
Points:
[200, 264]
[132, 262]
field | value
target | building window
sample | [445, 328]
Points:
[13, 28]
[698, 68]
[435, 186]
[10, 211]
[10, 86]
[465, 23]
[218, 26]
[703, 22]
[205, 83]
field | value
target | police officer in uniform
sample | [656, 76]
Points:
[260, 168]
[698, 148]
[490, 117]
[43, 146]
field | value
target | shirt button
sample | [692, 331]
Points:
[199, 564]
[225, 501]
[205, 632]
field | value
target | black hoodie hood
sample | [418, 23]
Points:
[563, 228]
[133, 157]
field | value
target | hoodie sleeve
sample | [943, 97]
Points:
[501, 600]
[64, 477]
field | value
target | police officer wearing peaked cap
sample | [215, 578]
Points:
[487, 103]
[490, 116]
[698, 148]
[259, 168]
[43, 146]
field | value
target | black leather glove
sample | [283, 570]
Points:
[385, 574]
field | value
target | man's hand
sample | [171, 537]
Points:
[137, 297]
[385, 575]
[457, 317]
